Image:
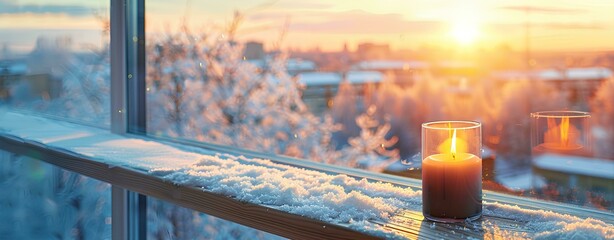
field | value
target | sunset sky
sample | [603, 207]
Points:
[568, 25]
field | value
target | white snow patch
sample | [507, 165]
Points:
[96, 143]
[330, 198]
[550, 225]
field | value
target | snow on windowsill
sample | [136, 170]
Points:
[332, 198]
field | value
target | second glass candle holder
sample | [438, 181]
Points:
[560, 132]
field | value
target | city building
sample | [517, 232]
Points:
[254, 50]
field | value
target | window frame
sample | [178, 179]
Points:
[127, 28]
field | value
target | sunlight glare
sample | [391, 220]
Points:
[464, 32]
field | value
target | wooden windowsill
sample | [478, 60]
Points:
[268, 218]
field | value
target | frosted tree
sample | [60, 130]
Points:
[45, 202]
[602, 108]
[203, 89]
[518, 99]
[344, 112]
[78, 84]
[371, 149]
[407, 108]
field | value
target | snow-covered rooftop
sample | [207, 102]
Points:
[296, 64]
[319, 78]
[334, 78]
[575, 74]
[389, 65]
[591, 73]
[593, 167]
[13, 67]
[292, 64]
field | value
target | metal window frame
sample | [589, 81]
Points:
[128, 109]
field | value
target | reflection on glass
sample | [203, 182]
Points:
[54, 58]
[41, 201]
[561, 132]
[350, 83]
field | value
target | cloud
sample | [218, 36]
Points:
[538, 9]
[11, 7]
[361, 22]
[504, 27]
[303, 5]
[571, 25]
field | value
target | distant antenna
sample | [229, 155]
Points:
[6, 51]
[527, 38]
[527, 29]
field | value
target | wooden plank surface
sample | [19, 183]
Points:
[412, 224]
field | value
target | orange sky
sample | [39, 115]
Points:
[567, 25]
[555, 25]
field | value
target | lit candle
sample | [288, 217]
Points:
[558, 132]
[451, 171]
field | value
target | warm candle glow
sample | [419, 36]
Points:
[561, 136]
[561, 132]
[565, 131]
[453, 147]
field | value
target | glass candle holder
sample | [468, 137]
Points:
[561, 132]
[451, 170]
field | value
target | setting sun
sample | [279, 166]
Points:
[464, 32]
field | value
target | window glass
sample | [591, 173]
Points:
[54, 58]
[169, 221]
[351, 82]
[41, 201]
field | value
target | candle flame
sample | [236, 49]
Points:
[565, 131]
[562, 135]
[453, 145]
